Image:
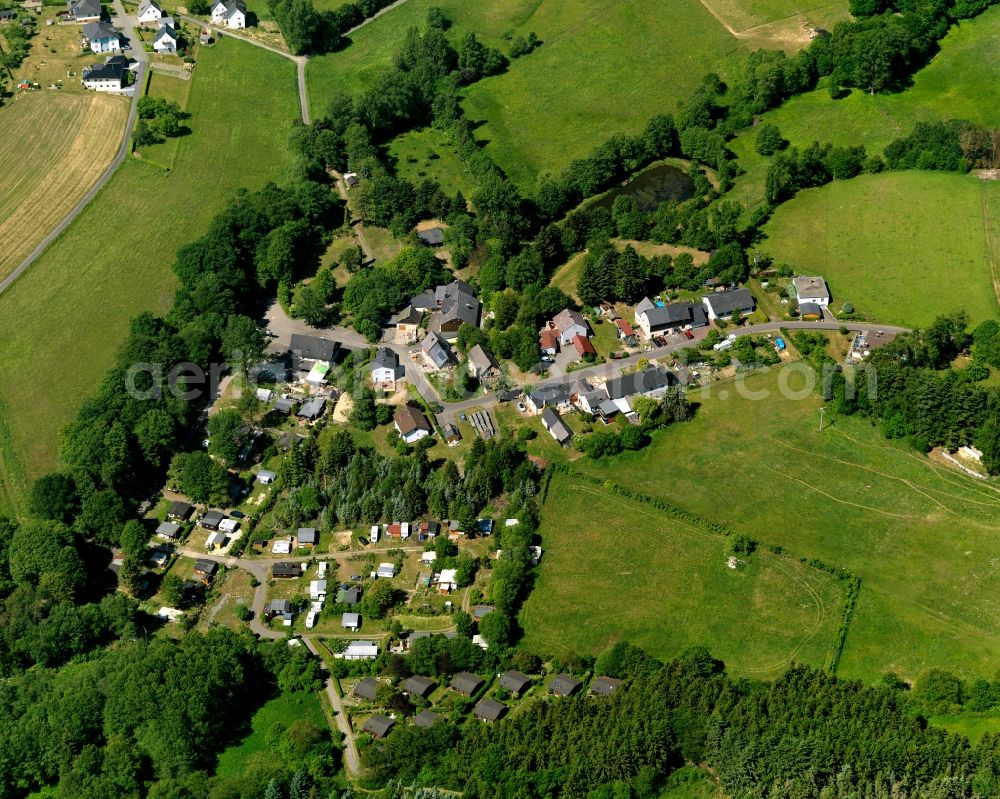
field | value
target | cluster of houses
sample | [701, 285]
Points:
[568, 328]
[515, 683]
[150, 15]
[229, 14]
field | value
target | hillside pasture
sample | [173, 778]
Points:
[923, 538]
[62, 321]
[53, 148]
[903, 247]
[617, 569]
[777, 24]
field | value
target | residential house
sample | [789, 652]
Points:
[515, 682]
[446, 581]
[590, 401]
[605, 686]
[451, 434]
[179, 511]
[569, 324]
[348, 595]
[352, 180]
[548, 341]
[284, 405]
[583, 347]
[426, 719]
[378, 726]
[266, 477]
[548, 395]
[307, 351]
[487, 709]
[626, 333]
[359, 650]
[553, 422]
[285, 571]
[149, 12]
[278, 607]
[102, 37]
[166, 39]
[312, 409]
[411, 424]
[230, 14]
[366, 689]
[466, 684]
[432, 237]
[654, 320]
[723, 304]
[564, 685]
[351, 621]
[385, 368]
[451, 305]
[212, 519]
[82, 11]
[436, 351]
[407, 324]
[205, 570]
[307, 537]
[482, 365]
[811, 290]
[651, 381]
[168, 530]
[107, 77]
[419, 686]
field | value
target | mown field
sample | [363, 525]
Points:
[177, 91]
[62, 321]
[904, 247]
[423, 154]
[589, 79]
[53, 147]
[617, 569]
[923, 538]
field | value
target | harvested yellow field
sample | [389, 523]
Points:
[53, 148]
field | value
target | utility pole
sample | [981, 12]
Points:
[821, 412]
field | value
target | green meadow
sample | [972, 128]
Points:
[922, 537]
[903, 247]
[61, 323]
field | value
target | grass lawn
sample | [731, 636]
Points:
[588, 80]
[904, 247]
[267, 726]
[53, 148]
[922, 538]
[744, 14]
[630, 571]
[62, 321]
[423, 154]
[177, 91]
[972, 725]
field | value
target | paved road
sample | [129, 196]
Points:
[139, 54]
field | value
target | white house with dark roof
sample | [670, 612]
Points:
[724, 304]
[436, 351]
[107, 77]
[386, 368]
[811, 290]
[655, 319]
[451, 305]
[166, 38]
[149, 12]
[102, 37]
[84, 10]
[553, 422]
[230, 14]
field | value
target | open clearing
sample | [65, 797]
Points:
[62, 321]
[586, 82]
[924, 539]
[904, 247]
[424, 154]
[53, 147]
[631, 572]
[176, 90]
[778, 24]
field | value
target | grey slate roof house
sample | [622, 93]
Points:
[179, 510]
[366, 689]
[604, 686]
[655, 319]
[349, 595]
[284, 405]
[286, 570]
[466, 683]
[311, 349]
[212, 520]
[549, 395]
[432, 237]
[378, 726]
[723, 304]
[482, 365]
[385, 366]
[307, 536]
[564, 685]
[279, 607]
[451, 305]
[648, 382]
[515, 681]
[84, 10]
[168, 530]
[436, 351]
[312, 409]
[489, 709]
[426, 718]
[553, 422]
[419, 686]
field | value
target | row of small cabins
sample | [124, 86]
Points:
[467, 684]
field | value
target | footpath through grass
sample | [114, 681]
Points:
[614, 568]
[923, 538]
[903, 247]
[62, 321]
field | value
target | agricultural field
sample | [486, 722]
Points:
[903, 247]
[632, 572]
[53, 148]
[958, 83]
[64, 318]
[583, 84]
[922, 537]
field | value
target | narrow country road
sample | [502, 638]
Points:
[139, 54]
[352, 761]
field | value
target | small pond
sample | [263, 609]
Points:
[652, 187]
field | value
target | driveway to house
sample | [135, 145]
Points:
[121, 20]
